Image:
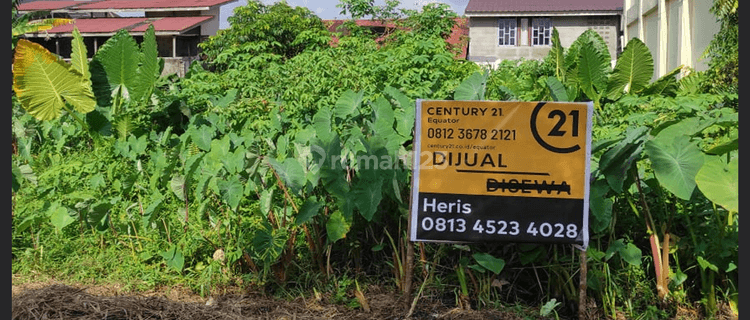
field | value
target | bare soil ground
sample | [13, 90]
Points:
[59, 301]
[50, 299]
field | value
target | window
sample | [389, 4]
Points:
[541, 31]
[507, 36]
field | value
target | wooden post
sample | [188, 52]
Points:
[409, 268]
[582, 285]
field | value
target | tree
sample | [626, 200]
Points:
[277, 29]
[435, 19]
[722, 76]
[359, 9]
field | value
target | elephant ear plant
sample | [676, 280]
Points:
[45, 84]
[119, 73]
[686, 146]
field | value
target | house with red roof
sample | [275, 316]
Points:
[179, 25]
[514, 29]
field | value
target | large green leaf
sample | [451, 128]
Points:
[600, 206]
[347, 104]
[60, 217]
[309, 210]
[322, 124]
[148, 70]
[384, 117]
[337, 227]
[44, 83]
[234, 162]
[588, 39]
[590, 36]
[15, 178]
[675, 164]
[557, 53]
[719, 182]
[616, 163]
[367, 196]
[592, 71]
[114, 67]
[79, 56]
[631, 254]
[404, 111]
[489, 262]
[557, 89]
[177, 184]
[174, 258]
[686, 127]
[666, 85]
[472, 88]
[332, 174]
[231, 191]
[633, 70]
[291, 173]
[628, 252]
[269, 243]
[202, 136]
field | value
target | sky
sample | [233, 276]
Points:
[326, 9]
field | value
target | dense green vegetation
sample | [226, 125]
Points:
[245, 171]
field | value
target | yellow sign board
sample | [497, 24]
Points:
[507, 158]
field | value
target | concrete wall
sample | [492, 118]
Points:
[651, 39]
[483, 37]
[705, 27]
[179, 66]
[677, 32]
[210, 27]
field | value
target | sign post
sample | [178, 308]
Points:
[487, 171]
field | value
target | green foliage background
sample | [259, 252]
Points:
[225, 176]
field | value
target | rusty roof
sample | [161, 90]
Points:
[115, 5]
[501, 6]
[168, 25]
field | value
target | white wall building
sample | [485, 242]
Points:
[677, 32]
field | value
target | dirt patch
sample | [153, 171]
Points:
[59, 301]
[51, 299]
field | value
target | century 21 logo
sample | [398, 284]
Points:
[557, 130]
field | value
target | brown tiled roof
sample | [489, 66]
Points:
[490, 6]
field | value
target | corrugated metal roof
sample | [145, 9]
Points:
[489, 6]
[133, 25]
[150, 4]
[173, 24]
[115, 5]
[98, 25]
[47, 5]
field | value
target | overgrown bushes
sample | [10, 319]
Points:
[253, 173]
